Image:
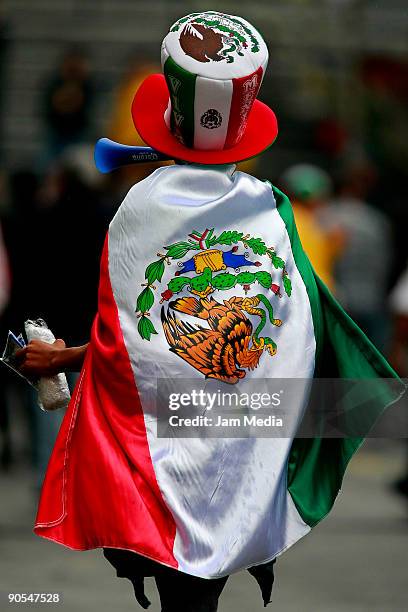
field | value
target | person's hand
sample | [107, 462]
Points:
[40, 358]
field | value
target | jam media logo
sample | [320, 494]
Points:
[215, 37]
[211, 119]
[221, 338]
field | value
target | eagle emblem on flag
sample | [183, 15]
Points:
[232, 340]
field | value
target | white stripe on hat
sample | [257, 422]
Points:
[212, 105]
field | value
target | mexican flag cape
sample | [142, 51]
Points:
[202, 277]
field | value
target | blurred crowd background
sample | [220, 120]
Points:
[338, 82]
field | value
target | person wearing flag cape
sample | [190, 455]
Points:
[203, 277]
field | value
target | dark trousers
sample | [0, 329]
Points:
[178, 592]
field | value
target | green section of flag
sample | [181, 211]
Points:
[181, 84]
[316, 466]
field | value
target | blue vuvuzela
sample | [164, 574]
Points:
[110, 155]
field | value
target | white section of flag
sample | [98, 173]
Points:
[228, 497]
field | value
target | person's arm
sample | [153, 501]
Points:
[40, 358]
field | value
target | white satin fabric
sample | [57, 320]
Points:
[228, 496]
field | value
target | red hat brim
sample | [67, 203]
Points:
[148, 108]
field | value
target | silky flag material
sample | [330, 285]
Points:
[203, 277]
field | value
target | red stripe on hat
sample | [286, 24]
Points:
[100, 488]
[245, 90]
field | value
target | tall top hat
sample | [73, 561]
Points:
[204, 109]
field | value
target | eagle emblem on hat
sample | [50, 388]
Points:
[211, 119]
[215, 37]
[201, 43]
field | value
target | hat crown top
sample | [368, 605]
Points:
[214, 65]
[215, 45]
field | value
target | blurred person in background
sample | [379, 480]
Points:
[19, 225]
[67, 103]
[4, 33]
[120, 128]
[398, 302]
[47, 218]
[66, 286]
[363, 267]
[5, 448]
[4, 275]
[310, 187]
[67, 212]
[384, 80]
[120, 123]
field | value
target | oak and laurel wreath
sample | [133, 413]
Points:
[154, 271]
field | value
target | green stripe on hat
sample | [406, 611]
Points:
[181, 84]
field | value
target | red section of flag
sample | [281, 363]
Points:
[244, 92]
[100, 488]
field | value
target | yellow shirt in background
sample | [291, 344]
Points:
[322, 247]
